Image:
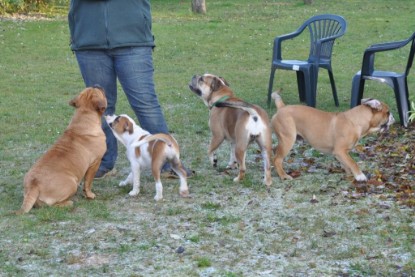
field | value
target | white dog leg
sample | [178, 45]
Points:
[128, 180]
[136, 181]
[159, 191]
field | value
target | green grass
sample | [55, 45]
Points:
[203, 262]
[225, 229]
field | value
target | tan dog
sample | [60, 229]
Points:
[333, 133]
[76, 155]
[234, 120]
[145, 150]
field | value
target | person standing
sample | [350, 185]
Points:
[112, 40]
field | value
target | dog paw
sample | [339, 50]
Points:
[233, 165]
[213, 160]
[184, 193]
[18, 212]
[134, 193]
[287, 177]
[361, 177]
[122, 184]
[89, 194]
[158, 197]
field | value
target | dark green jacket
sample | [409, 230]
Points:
[108, 24]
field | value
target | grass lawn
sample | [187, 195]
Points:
[225, 228]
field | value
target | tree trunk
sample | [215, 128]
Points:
[199, 6]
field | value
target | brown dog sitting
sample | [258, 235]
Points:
[76, 155]
[234, 120]
[334, 133]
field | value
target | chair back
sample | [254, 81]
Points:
[411, 54]
[324, 29]
[368, 64]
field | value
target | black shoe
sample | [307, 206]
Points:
[102, 173]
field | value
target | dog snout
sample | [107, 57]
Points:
[110, 119]
[193, 85]
[196, 79]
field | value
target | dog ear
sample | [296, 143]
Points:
[217, 83]
[98, 99]
[372, 103]
[224, 81]
[128, 126]
[74, 102]
[101, 106]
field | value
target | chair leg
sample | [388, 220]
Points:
[270, 85]
[313, 85]
[358, 84]
[301, 85]
[402, 100]
[333, 87]
[310, 81]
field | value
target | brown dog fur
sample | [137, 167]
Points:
[236, 121]
[333, 133]
[76, 155]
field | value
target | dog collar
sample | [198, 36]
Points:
[220, 100]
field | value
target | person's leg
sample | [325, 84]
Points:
[97, 69]
[134, 68]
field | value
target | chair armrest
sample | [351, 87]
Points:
[278, 41]
[387, 46]
[368, 63]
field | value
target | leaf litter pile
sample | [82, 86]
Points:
[389, 160]
[394, 154]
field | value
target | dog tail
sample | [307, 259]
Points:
[31, 194]
[163, 137]
[240, 105]
[277, 98]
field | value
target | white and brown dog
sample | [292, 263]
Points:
[333, 133]
[145, 150]
[234, 120]
[74, 157]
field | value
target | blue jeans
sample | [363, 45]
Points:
[133, 67]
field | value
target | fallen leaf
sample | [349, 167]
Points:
[328, 234]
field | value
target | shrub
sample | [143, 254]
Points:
[412, 112]
[29, 6]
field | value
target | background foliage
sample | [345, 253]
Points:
[45, 7]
